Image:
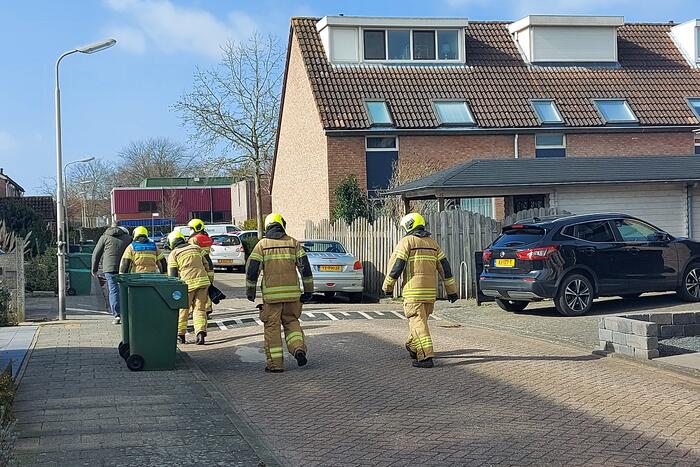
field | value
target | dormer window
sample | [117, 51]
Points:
[547, 112]
[615, 111]
[404, 45]
[453, 113]
[378, 113]
[687, 38]
[375, 45]
[694, 104]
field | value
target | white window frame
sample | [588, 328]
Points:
[395, 148]
[388, 110]
[554, 106]
[551, 146]
[461, 44]
[435, 103]
[616, 99]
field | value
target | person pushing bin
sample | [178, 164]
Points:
[278, 256]
[187, 262]
[418, 257]
[142, 255]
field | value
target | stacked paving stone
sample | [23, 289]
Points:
[638, 335]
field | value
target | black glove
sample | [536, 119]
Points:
[452, 297]
[306, 297]
[250, 296]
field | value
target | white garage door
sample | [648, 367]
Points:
[696, 212]
[664, 205]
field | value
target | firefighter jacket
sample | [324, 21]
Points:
[419, 257]
[278, 257]
[187, 262]
[142, 255]
[203, 241]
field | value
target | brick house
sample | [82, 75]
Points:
[364, 93]
[8, 187]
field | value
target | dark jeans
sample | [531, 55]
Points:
[113, 288]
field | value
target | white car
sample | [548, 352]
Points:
[227, 252]
[334, 269]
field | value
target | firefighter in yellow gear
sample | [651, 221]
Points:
[278, 257]
[417, 256]
[187, 262]
[201, 238]
[142, 255]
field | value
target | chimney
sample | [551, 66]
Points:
[1, 172]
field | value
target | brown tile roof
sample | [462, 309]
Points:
[653, 76]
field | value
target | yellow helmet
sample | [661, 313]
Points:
[412, 221]
[174, 235]
[196, 224]
[140, 231]
[274, 218]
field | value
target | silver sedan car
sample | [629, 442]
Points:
[334, 269]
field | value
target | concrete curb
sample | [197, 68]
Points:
[27, 357]
[261, 448]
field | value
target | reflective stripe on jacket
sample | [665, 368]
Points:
[144, 257]
[418, 258]
[189, 264]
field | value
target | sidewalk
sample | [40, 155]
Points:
[15, 342]
[77, 404]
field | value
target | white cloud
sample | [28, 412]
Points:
[176, 29]
[128, 38]
[8, 143]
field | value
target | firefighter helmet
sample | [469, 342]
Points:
[140, 231]
[412, 221]
[196, 224]
[174, 236]
[274, 218]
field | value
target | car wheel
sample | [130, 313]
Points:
[575, 296]
[511, 305]
[329, 294]
[690, 288]
[355, 297]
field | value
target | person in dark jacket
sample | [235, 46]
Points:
[108, 251]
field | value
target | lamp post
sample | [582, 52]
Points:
[60, 244]
[65, 195]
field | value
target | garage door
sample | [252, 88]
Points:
[663, 205]
[696, 213]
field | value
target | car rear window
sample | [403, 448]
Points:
[512, 238]
[323, 247]
[225, 240]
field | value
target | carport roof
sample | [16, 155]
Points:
[510, 173]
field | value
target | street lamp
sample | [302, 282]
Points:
[60, 245]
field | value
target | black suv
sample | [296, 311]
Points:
[578, 258]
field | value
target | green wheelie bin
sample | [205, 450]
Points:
[123, 280]
[154, 306]
[80, 281]
[79, 260]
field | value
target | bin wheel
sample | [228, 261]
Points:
[124, 350]
[135, 362]
[70, 291]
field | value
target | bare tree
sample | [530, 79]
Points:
[153, 157]
[95, 180]
[404, 172]
[235, 106]
[171, 204]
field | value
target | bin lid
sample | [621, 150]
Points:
[81, 270]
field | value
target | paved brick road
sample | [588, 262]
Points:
[493, 399]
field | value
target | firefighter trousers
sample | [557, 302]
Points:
[197, 300]
[419, 340]
[274, 315]
[209, 305]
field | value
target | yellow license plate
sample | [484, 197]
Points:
[504, 263]
[330, 268]
[225, 261]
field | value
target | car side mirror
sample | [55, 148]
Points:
[661, 237]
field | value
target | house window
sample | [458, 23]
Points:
[399, 44]
[694, 104]
[375, 48]
[546, 111]
[615, 111]
[378, 113]
[148, 206]
[381, 154]
[448, 45]
[483, 206]
[423, 45]
[550, 145]
[697, 144]
[453, 113]
[344, 45]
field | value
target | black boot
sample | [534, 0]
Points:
[274, 370]
[200, 338]
[300, 355]
[414, 355]
[427, 363]
[181, 340]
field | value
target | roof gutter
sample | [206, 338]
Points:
[508, 130]
[279, 117]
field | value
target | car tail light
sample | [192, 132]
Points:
[536, 254]
[486, 255]
[240, 249]
[357, 265]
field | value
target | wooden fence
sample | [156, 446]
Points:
[460, 233]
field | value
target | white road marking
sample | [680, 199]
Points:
[221, 325]
[362, 313]
[435, 317]
[345, 313]
[379, 313]
[257, 320]
[310, 315]
[89, 311]
[237, 321]
[398, 314]
[333, 318]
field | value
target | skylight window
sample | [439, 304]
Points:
[694, 104]
[378, 113]
[546, 111]
[615, 111]
[453, 113]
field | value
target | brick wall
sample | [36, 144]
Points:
[300, 186]
[630, 144]
[346, 156]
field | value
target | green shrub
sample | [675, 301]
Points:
[7, 317]
[7, 420]
[250, 224]
[350, 201]
[248, 245]
[41, 272]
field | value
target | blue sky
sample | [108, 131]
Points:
[125, 93]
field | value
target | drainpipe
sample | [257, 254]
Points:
[516, 149]
[689, 189]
